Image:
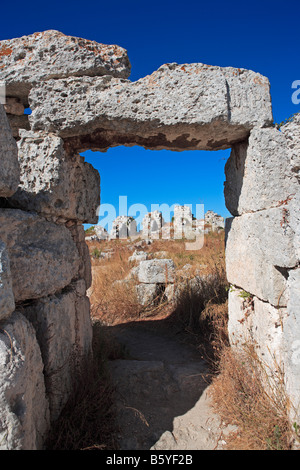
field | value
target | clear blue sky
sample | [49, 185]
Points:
[263, 36]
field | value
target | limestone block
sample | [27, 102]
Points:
[259, 249]
[24, 409]
[254, 322]
[156, 271]
[138, 256]
[146, 293]
[248, 91]
[54, 183]
[9, 166]
[64, 333]
[43, 256]
[177, 107]
[259, 174]
[7, 301]
[51, 54]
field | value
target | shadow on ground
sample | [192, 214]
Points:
[160, 383]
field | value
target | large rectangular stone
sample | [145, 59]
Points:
[259, 173]
[43, 256]
[156, 271]
[24, 408]
[55, 183]
[52, 54]
[64, 333]
[177, 107]
[259, 250]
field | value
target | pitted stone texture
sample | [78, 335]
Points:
[259, 174]
[156, 271]
[51, 54]
[64, 333]
[7, 301]
[54, 183]
[43, 256]
[177, 107]
[259, 249]
[9, 166]
[24, 409]
[291, 131]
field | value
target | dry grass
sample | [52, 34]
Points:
[113, 301]
[87, 421]
[116, 302]
[247, 394]
[243, 391]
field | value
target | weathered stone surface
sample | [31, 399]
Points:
[51, 54]
[54, 183]
[156, 271]
[7, 301]
[204, 107]
[147, 293]
[9, 166]
[138, 256]
[291, 131]
[259, 174]
[43, 256]
[64, 333]
[259, 248]
[293, 219]
[254, 322]
[291, 345]
[24, 409]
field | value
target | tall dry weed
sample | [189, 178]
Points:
[245, 393]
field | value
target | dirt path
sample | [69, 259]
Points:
[161, 391]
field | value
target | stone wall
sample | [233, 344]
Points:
[45, 326]
[81, 99]
[262, 249]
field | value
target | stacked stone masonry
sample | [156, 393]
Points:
[81, 98]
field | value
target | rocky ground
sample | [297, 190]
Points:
[162, 386]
